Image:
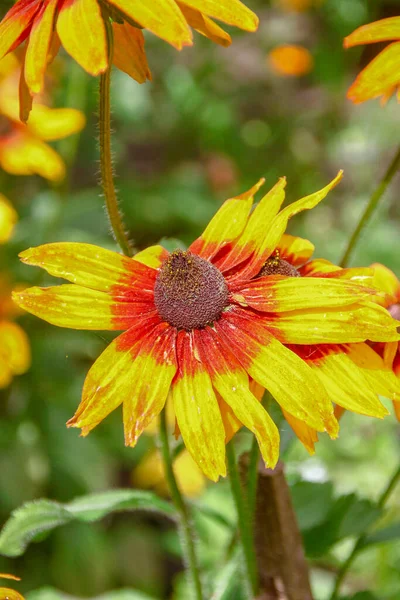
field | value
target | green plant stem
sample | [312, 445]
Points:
[106, 166]
[252, 477]
[180, 505]
[359, 544]
[244, 524]
[371, 207]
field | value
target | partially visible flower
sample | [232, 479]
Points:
[79, 26]
[8, 219]
[150, 474]
[7, 593]
[23, 150]
[298, 5]
[290, 60]
[15, 356]
[200, 323]
[382, 76]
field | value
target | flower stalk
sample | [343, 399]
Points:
[371, 207]
[107, 176]
[185, 525]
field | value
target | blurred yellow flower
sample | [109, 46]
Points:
[8, 219]
[23, 150]
[7, 593]
[150, 474]
[290, 60]
[382, 76]
[298, 5]
[15, 355]
[79, 25]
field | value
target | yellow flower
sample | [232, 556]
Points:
[382, 76]
[79, 26]
[7, 593]
[15, 356]
[8, 219]
[290, 60]
[23, 150]
[200, 323]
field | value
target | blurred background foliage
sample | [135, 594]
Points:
[212, 122]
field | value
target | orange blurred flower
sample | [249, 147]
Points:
[199, 323]
[8, 219]
[23, 150]
[7, 593]
[382, 76]
[291, 60]
[298, 5]
[15, 355]
[79, 26]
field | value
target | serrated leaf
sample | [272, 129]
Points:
[32, 520]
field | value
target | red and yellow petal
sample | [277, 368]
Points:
[110, 381]
[294, 249]
[385, 280]
[232, 383]
[15, 26]
[161, 17]
[292, 383]
[82, 32]
[93, 267]
[205, 26]
[226, 226]
[129, 53]
[379, 78]
[38, 46]
[345, 383]
[357, 323]
[232, 12]
[320, 267]
[280, 294]
[153, 256]
[378, 31]
[197, 411]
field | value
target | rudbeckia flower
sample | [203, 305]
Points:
[200, 323]
[23, 148]
[79, 26]
[382, 76]
[8, 219]
[7, 593]
[15, 355]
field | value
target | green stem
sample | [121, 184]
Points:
[358, 546]
[371, 207]
[180, 505]
[244, 526]
[252, 476]
[107, 177]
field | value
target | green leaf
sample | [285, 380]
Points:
[227, 584]
[52, 594]
[386, 534]
[312, 502]
[32, 520]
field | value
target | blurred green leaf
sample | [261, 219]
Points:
[51, 594]
[227, 584]
[360, 596]
[312, 502]
[32, 520]
[386, 534]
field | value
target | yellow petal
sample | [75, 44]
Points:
[307, 435]
[38, 46]
[129, 53]
[14, 347]
[294, 249]
[378, 31]
[377, 372]
[82, 32]
[10, 594]
[161, 17]
[55, 123]
[379, 77]
[232, 12]
[153, 256]
[205, 26]
[385, 280]
[8, 219]
[26, 155]
[197, 412]
[15, 24]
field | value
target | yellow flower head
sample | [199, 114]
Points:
[382, 76]
[7, 593]
[23, 148]
[79, 26]
[201, 324]
[15, 356]
[8, 219]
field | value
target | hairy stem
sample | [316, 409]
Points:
[185, 524]
[371, 207]
[106, 166]
[359, 544]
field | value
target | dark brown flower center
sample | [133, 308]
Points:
[277, 266]
[189, 292]
[394, 310]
